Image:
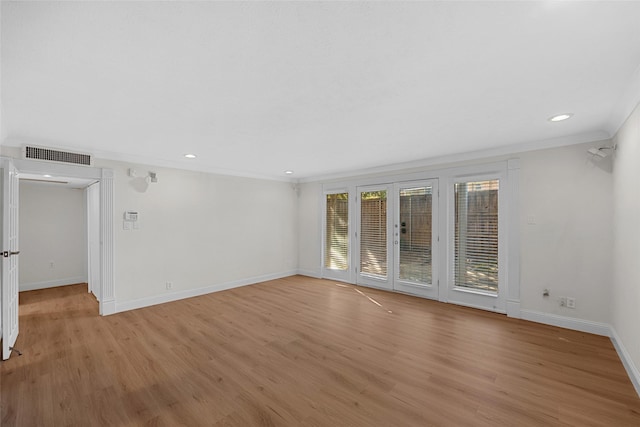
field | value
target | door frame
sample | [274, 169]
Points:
[432, 290]
[105, 177]
[511, 169]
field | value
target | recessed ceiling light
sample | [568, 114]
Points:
[288, 172]
[190, 156]
[561, 117]
[47, 176]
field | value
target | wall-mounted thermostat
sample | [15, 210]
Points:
[131, 216]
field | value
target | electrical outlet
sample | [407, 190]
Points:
[169, 285]
[51, 264]
[563, 301]
[571, 303]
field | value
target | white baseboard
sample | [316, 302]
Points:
[309, 273]
[107, 307]
[581, 325]
[513, 309]
[178, 295]
[52, 283]
[596, 328]
[627, 362]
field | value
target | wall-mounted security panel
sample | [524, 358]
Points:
[46, 154]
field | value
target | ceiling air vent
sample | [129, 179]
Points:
[58, 156]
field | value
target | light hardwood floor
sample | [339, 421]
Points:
[304, 352]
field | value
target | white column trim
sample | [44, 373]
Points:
[513, 240]
[107, 301]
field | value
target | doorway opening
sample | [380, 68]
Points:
[59, 233]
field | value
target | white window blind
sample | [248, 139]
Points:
[373, 233]
[415, 234]
[337, 232]
[476, 235]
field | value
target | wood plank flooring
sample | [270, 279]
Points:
[304, 352]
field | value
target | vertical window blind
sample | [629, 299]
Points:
[476, 235]
[337, 232]
[373, 233]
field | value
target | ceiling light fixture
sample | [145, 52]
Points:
[47, 176]
[190, 156]
[561, 117]
[288, 172]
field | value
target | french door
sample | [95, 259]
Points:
[476, 241]
[374, 236]
[396, 237]
[415, 232]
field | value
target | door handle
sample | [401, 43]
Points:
[7, 254]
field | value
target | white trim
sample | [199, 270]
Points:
[508, 150]
[573, 323]
[105, 176]
[178, 295]
[107, 203]
[627, 361]
[513, 309]
[108, 307]
[513, 239]
[309, 273]
[52, 283]
[625, 105]
[591, 327]
[197, 166]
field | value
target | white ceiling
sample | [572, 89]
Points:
[320, 88]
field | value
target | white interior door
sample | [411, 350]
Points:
[93, 238]
[374, 236]
[10, 252]
[415, 238]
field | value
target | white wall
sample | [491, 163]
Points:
[52, 230]
[568, 250]
[309, 229]
[625, 307]
[199, 231]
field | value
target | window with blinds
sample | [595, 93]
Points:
[373, 233]
[336, 256]
[476, 235]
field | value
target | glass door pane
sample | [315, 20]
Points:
[373, 233]
[476, 235]
[336, 256]
[415, 229]
[415, 238]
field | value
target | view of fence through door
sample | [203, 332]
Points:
[414, 230]
[415, 246]
[336, 256]
[476, 235]
[373, 233]
[374, 236]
